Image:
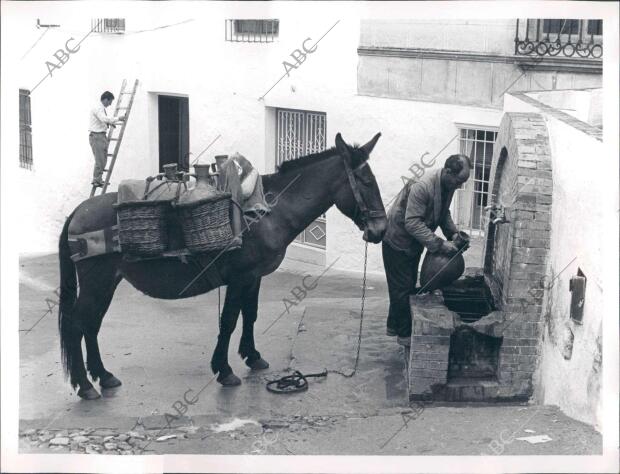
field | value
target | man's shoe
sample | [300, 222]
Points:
[97, 184]
[391, 332]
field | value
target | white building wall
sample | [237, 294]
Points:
[223, 81]
[582, 209]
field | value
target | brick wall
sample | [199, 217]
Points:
[516, 252]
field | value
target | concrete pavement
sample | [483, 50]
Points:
[161, 351]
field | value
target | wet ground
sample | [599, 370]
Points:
[161, 351]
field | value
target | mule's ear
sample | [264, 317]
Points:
[371, 144]
[341, 146]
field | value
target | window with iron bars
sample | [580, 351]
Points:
[300, 133]
[251, 31]
[474, 196]
[25, 130]
[108, 25]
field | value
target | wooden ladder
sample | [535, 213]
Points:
[121, 131]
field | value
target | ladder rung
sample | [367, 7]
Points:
[113, 139]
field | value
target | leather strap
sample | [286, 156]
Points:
[361, 204]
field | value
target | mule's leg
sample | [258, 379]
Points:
[97, 283]
[249, 311]
[91, 330]
[228, 322]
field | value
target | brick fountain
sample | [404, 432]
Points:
[478, 338]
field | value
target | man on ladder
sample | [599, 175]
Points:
[99, 123]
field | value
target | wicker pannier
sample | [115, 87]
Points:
[206, 223]
[142, 226]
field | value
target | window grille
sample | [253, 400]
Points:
[251, 31]
[560, 26]
[595, 27]
[25, 130]
[550, 37]
[108, 25]
[471, 200]
[301, 133]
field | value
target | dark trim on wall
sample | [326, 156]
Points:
[564, 64]
[568, 119]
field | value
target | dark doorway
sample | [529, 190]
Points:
[173, 131]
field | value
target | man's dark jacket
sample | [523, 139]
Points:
[416, 213]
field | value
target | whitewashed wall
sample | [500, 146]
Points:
[583, 210]
[223, 81]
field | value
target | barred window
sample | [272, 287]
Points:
[560, 26]
[252, 31]
[595, 27]
[572, 27]
[477, 143]
[108, 25]
[25, 130]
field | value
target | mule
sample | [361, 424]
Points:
[304, 189]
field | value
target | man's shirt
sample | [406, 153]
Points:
[99, 119]
[417, 211]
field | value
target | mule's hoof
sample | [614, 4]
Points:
[110, 382]
[230, 380]
[88, 394]
[258, 364]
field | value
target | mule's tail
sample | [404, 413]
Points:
[67, 298]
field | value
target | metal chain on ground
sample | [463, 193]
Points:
[297, 382]
[359, 336]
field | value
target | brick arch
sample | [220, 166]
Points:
[521, 180]
[490, 240]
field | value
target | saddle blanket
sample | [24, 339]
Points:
[97, 242]
[134, 189]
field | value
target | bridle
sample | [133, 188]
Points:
[362, 208]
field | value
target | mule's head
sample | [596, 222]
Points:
[360, 199]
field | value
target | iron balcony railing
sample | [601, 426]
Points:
[539, 37]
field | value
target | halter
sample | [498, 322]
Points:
[366, 213]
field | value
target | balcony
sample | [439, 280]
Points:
[560, 44]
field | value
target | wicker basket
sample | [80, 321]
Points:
[206, 223]
[142, 226]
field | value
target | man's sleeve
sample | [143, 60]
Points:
[448, 227]
[417, 203]
[103, 117]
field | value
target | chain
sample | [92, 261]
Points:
[297, 381]
[359, 337]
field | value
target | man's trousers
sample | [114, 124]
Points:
[99, 145]
[401, 271]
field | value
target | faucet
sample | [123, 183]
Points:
[497, 213]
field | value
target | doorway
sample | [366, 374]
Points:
[173, 121]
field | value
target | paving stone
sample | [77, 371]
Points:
[61, 441]
[103, 432]
[109, 446]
